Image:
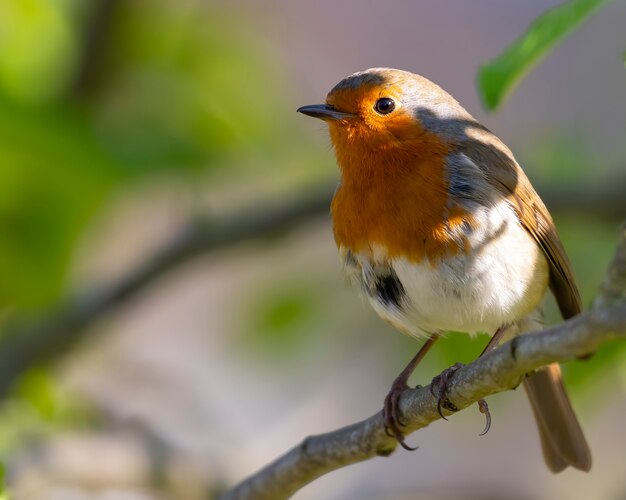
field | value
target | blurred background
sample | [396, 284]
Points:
[173, 311]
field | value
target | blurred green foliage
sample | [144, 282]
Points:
[39, 47]
[4, 495]
[40, 408]
[53, 176]
[283, 319]
[498, 78]
[167, 94]
[291, 318]
[179, 93]
[562, 159]
[37, 389]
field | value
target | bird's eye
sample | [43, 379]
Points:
[385, 105]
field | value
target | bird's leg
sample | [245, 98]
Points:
[439, 385]
[495, 340]
[391, 415]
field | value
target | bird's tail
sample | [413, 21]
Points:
[562, 439]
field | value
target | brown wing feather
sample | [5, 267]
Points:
[510, 182]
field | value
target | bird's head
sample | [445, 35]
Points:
[388, 111]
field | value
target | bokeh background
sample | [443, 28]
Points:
[173, 313]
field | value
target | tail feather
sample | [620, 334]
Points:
[562, 439]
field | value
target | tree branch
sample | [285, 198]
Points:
[26, 343]
[500, 370]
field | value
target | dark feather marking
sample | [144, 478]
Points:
[389, 290]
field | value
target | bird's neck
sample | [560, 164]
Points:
[396, 201]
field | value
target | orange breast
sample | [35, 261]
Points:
[399, 201]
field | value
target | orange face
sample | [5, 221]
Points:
[378, 118]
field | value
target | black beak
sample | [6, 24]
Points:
[323, 112]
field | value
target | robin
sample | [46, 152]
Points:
[439, 227]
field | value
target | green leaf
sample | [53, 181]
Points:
[498, 78]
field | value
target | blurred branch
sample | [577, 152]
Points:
[605, 199]
[23, 345]
[500, 370]
[613, 287]
[96, 36]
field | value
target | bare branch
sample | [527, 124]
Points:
[46, 338]
[500, 370]
[605, 199]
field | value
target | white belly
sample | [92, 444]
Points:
[501, 281]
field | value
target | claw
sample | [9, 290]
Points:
[404, 445]
[439, 386]
[388, 432]
[439, 410]
[395, 418]
[392, 418]
[484, 408]
[437, 394]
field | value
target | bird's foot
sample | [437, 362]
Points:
[391, 413]
[439, 389]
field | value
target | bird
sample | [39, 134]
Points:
[438, 226]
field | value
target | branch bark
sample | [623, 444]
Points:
[500, 370]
